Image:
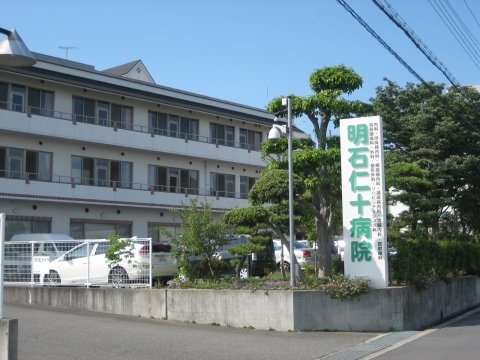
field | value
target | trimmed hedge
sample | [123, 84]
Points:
[420, 261]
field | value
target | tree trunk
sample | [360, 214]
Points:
[324, 237]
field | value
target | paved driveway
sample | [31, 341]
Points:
[46, 333]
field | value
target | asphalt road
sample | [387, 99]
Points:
[46, 333]
[53, 334]
[458, 339]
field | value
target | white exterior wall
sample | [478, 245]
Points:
[61, 201]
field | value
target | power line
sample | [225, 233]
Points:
[466, 30]
[395, 18]
[471, 12]
[379, 39]
[454, 31]
[460, 89]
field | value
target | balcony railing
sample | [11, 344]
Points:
[28, 177]
[115, 125]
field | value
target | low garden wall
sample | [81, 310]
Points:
[393, 308]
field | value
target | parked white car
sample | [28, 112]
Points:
[86, 263]
[304, 254]
[27, 254]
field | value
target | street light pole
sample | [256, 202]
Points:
[275, 134]
[290, 191]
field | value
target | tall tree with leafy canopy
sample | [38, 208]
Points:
[434, 134]
[318, 166]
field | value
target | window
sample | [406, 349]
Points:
[84, 110]
[189, 181]
[25, 164]
[157, 123]
[189, 128]
[172, 179]
[156, 231]
[250, 140]
[122, 116]
[26, 225]
[40, 102]
[121, 174]
[172, 125]
[38, 165]
[18, 98]
[246, 184]
[3, 95]
[103, 111]
[15, 163]
[222, 134]
[222, 185]
[101, 172]
[95, 229]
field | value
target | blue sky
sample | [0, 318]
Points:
[246, 51]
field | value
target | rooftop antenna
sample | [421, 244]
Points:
[67, 48]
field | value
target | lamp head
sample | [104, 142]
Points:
[275, 133]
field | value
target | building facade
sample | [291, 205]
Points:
[90, 153]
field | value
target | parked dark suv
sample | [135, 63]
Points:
[257, 264]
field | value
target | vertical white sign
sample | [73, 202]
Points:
[363, 200]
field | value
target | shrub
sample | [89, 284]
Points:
[420, 261]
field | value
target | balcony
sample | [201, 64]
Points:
[63, 125]
[28, 186]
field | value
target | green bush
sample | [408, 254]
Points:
[420, 261]
[337, 286]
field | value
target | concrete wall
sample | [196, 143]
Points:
[137, 302]
[259, 309]
[394, 308]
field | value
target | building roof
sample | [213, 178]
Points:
[134, 69]
[84, 75]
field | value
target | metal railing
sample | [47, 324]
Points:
[83, 263]
[29, 177]
[116, 125]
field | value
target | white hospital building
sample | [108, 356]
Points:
[90, 152]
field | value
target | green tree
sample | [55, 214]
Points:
[252, 220]
[118, 249]
[436, 132]
[319, 166]
[203, 234]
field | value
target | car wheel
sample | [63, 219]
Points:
[118, 277]
[52, 278]
[244, 273]
[286, 266]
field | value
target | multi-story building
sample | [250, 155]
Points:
[90, 153]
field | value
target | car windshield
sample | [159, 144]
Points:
[299, 245]
[236, 240]
[64, 246]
